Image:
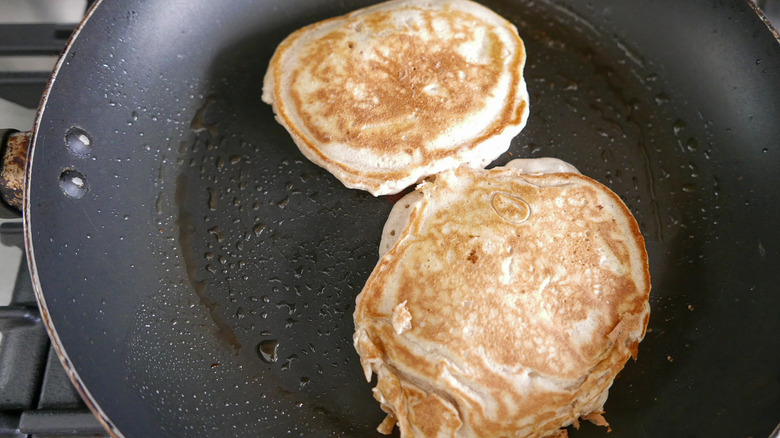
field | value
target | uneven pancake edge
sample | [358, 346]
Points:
[484, 145]
[401, 381]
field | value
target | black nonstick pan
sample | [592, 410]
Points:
[198, 275]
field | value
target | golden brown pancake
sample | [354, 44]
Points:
[503, 304]
[389, 94]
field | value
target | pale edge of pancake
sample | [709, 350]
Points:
[383, 182]
[400, 214]
[625, 336]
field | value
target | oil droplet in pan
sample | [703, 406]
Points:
[678, 126]
[267, 350]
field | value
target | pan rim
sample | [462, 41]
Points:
[36, 281]
[760, 12]
[56, 342]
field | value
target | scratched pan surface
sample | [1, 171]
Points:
[198, 274]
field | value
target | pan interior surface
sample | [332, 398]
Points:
[199, 273]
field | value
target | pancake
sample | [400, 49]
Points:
[389, 94]
[503, 304]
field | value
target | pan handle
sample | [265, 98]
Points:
[13, 148]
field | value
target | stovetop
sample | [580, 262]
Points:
[36, 397]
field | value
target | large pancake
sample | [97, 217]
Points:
[504, 304]
[388, 94]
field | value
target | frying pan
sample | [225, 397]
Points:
[197, 274]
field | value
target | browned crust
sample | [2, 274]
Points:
[446, 351]
[512, 114]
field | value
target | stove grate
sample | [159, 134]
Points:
[37, 399]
